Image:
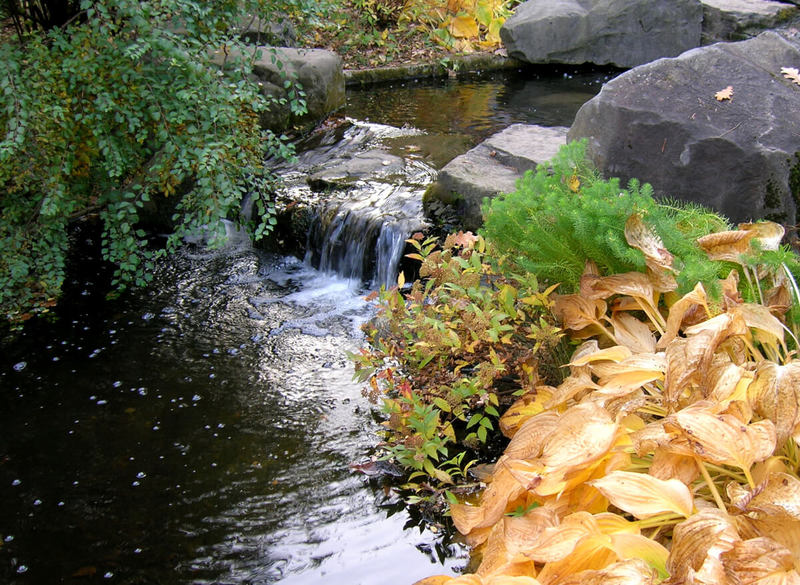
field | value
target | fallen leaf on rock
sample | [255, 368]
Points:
[724, 94]
[791, 73]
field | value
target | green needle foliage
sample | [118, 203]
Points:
[565, 214]
[125, 107]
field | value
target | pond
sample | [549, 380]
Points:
[201, 431]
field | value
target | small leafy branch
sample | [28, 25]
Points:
[447, 356]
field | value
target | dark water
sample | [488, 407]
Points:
[201, 431]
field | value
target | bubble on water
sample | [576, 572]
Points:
[141, 475]
[148, 316]
[92, 397]
[19, 366]
[142, 391]
[117, 383]
[37, 502]
[137, 551]
[196, 397]
[156, 427]
[108, 575]
[102, 402]
[16, 482]
[61, 504]
[9, 538]
[135, 484]
[22, 569]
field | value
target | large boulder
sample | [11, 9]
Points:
[735, 20]
[491, 168]
[661, 123]
[624, 33]
[319, 73]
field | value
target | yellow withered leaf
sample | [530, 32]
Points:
[511, 580]
[768, 328]
[591, 553]
[523, 409]
[670, 465]
[503, 489]
[645, 496]
[571, 387]
[574, 183]
[724, 439]
[760, 561]
[631, 374]
[677, 312]
[615, 353]
[436, 580]
[464, 27]
[775, 395]
[724, 94]
[628, 572]
[524, 532]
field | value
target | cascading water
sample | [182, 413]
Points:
[364, 203]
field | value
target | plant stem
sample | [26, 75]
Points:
[710, 483]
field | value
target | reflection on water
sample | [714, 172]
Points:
[479, 107]
[200, 434]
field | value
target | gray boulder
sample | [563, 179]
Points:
[493, 167]
[624, 33]
[735, 20]
[320, 74]
[661, 123]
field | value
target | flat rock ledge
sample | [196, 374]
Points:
[736, 20]
[491, 168]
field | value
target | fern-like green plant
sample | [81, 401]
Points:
[565, 213]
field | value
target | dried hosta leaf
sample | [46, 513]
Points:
[510, 580]
[670, 465]
[616, 353]
[524, 532]
[657, 258]
[728, 382]
[558, 542]
[503, 489]
[768, 328]
[730, 245]
[633, 333]
[778, 496]
[585, 433]
[791, 73]
[760, 561]
[629, 572]
[437, 580]
[497, 559]
[707, 533]
[631, 374]
[697, 297]
[570, 388]
[591, 553]
[724, 94]
[775, 395]
[577, 312]
[723, 439]
[644, 495]
[529, 440]
[633, 284]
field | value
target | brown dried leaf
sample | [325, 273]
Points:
[523, 409]
[670, 465]
[760, 561]
[503, 489]
[633, 333]
[644, 495]
[778, 496]
[724, 439]
[577, 312]
[724, 94]
[707, 533]
[730, 245]
[775, 395]
[657, 258]
[529, 440]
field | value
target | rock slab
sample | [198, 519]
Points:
[493, 167]
[319, 72]
[661, 123]
[624, 33]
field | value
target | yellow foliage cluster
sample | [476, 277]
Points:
[463, 25]
[668, 454]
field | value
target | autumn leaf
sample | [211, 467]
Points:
[574, 183]
[657, 258]
[464, 27]
[775, 395]
[724, 94]
[791, 73]
[760, 561]
[702, 535]
[645, 496]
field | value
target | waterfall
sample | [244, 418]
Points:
[362, 236]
